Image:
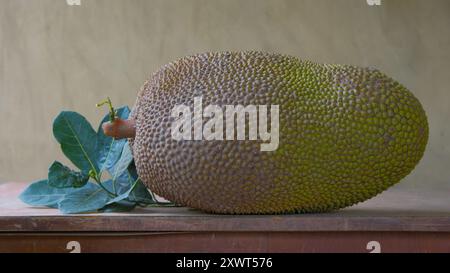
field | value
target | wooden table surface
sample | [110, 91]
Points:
[394, 212]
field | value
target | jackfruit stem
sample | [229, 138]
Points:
[112, 112]
[120, 128]
[116, 127]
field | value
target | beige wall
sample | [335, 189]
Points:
[56, 57]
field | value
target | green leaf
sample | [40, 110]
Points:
[123, 184]
[108, 148]
[94, 152]
[122, 164]
[140, 193]
[41, 194]
[122, 206]
[78, 140]
[60, 176]
[87, 199]
[125, 194]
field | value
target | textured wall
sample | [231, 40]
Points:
[55, 56]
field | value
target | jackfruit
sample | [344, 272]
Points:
[346, 133]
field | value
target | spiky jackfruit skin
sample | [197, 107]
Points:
[346, 134]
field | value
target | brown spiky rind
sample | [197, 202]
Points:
[346, 134]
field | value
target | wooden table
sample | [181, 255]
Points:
[396, 221]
